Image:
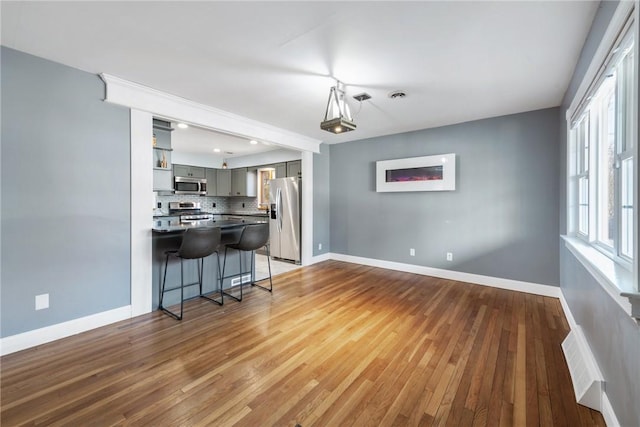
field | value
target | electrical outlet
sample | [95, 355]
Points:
[42, 301]
[243, 205]
[319, 246]
[412, 252]
[449, 256]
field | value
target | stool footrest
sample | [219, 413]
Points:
[213, 299]
[170, 313]
[232, 296]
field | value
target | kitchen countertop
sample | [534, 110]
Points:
[251, 213]
[169, 226]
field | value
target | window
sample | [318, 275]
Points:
[602, 149]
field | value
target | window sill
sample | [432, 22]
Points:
[615, 279]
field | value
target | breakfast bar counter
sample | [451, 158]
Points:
[161, 225]
[167, 235]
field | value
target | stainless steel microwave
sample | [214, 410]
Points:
[185, 185]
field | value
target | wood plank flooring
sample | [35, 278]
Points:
[336, 344]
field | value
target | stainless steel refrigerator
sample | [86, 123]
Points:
[284, 218]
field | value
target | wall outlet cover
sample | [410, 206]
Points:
[42, 301]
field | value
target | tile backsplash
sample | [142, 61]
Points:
[222, 204]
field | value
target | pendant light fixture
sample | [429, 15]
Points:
[337, 117]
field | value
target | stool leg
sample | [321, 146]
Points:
[270, 288]
[224, 277]
[181, 288]
[160, 305]
[164, 280]
[241, 271]
[200, 266]
[218, 280]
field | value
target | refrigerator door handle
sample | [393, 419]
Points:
[280, 206]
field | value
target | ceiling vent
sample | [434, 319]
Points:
[362, 97]
[397, 94]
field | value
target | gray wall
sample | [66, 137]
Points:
[613, 336]
[321, 200]
[501, 221]
[65, 195]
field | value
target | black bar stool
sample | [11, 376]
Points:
[197, 243]
[254, 236]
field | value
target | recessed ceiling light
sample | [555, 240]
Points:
[216, 150]
[183, 125]
[253, 142]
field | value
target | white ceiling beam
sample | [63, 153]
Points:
[144, 98]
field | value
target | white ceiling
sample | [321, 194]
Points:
[275, 61]
[195, 140]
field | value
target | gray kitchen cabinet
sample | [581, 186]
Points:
[239, 182]
[162, 180]
[189, 171]
[281, 170]
[212, 188]
[223, 182]
[243, 182]
[294, 169]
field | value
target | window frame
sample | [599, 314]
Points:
[609, 57]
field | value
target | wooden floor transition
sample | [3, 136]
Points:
[337, 344]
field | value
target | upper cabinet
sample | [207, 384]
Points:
[212, 181]
[243, 182]
[223, 182]
[218, 182]
[294, 169]
[188, 171]
[162, 178]
[281, 170]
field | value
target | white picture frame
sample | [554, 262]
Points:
[426, 173]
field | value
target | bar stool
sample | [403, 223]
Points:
[254, 236]
[197, 243]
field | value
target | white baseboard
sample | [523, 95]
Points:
[28, 339]
[495, 282]
[319, 258]
[607, 411]
[608, 414]
[567, 312]
[47, 334]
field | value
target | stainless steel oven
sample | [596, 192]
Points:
[185, 185]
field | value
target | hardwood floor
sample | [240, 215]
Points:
[337, 344]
